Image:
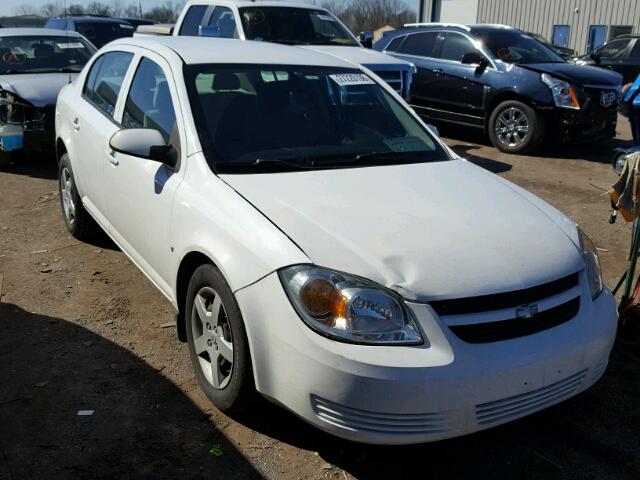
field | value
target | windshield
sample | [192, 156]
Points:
[515, 47]
[294, 26]
[100, 33]
[257, 118]
[40, 54]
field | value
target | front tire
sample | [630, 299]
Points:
[515, 127]
[78, 221]
[217, 341]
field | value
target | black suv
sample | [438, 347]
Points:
[98, 30]
[504, 81]
[621, 55]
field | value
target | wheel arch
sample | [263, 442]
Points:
[188, 265]
[504, 96]
[61, 149]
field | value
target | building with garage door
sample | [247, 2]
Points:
[578, 24]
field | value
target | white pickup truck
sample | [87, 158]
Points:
[275, 21]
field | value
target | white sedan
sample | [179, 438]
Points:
[322, 247]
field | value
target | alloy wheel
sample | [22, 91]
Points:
[512, 127]
[212, 338]
[66, 191]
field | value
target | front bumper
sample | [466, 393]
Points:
[575, 126]
[411, 394]
[28, 129]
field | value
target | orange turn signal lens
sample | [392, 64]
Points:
[574, 99]
[320, 298]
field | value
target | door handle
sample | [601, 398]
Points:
[111, 155]
[76, 124]
[438, 71]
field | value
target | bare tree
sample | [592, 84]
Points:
[117, 8]
[25, 10]
[75, 9]
[168, 12]
[366, 15]
[52, 9]
[98, 8]
[133, 11]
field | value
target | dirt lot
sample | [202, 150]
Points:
[80, 329]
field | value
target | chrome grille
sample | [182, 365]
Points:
[394, 78]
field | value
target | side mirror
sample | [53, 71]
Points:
[366, 39]
[472, 58]
[208, 31]
[595, 57]
[144, 143]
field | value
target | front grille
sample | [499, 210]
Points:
[594, 96]
[526, 403]
[385, 423]
[393, 78]
[517, 327]
[498, 301]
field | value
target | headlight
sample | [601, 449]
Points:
[347, 308]
[564, 95]
[590, 254]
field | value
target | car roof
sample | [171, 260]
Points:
[196, 50]
[38, 32]
[92, 19]
[471, 29]
[257, 3]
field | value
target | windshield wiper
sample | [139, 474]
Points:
[264, 162]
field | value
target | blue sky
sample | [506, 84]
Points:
[7, 7]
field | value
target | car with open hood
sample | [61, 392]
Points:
[35, 64]
[505, 82]
[322, 247]
[306, 26]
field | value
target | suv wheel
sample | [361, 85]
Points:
[515, 127]
[78, 221]
[217, 340]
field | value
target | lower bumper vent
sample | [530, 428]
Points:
[526, 403]
[384, 423]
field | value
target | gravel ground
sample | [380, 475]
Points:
[81, 329]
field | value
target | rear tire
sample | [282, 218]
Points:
[78, 221]
[515, 127]
[217, 341]
[6, 159]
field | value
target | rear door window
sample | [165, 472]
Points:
[105, 80]
[421, 44]
[192, 20]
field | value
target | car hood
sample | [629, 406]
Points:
[39, 89]
[361, 56]
[428, 231]
[578, 74]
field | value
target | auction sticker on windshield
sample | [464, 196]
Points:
[346, 79]
[65, 46]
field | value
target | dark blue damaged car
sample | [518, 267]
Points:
[502, 80]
